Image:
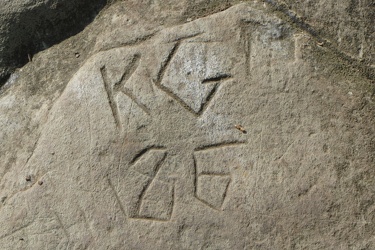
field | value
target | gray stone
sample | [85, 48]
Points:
[347, 24]
[235, 130]
[28, 26]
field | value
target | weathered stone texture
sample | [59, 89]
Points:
[348, 24]
[234, 130]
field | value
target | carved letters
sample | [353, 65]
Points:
[192, 83]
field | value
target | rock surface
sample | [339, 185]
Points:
[347, 24]
[157, 130]
[28, 26]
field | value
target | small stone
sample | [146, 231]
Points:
[28, 178]
[40, 183]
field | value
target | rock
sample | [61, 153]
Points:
[28, 26]
[347, 24]
[234, 130]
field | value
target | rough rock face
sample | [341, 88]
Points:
[348, 24]
[235, 130]
[28, 26]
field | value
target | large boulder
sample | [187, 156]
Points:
[159, 129]
[28, 26]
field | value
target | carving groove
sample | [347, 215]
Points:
[146, 188]
[215, 80]
[160, 76]
[134, 99]
[173, 198]
[206, 203]
[128, 72]
[111, 100]
[218, 78]
[133, 42]
[225, 193]
[245, 36]
[158, 166]
[187, 37]
[220, 145]
[213, 174]
[196, 186]
[197, 175]
[33, 150]
[176, 98]
[208, 100]
[117, 197]
[144, 151]
[149, 219]
[119, 87]
[165, 64]
[157, 219]
[61, 225]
